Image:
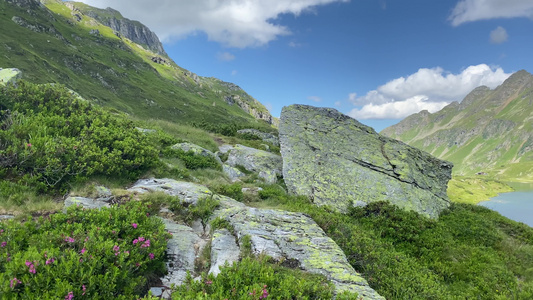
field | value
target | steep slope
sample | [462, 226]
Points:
[69, 43]
[490, 131]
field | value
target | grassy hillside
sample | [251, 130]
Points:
[49, 44]
[490, 132]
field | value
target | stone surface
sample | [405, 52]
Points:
[287, 235]
[186, 191]
[337, 161]
[6, 217]
[182, 250]
[224, 249]
[266, 137]
[233, 173]
[196, 150]
[225, 148]
[267, 164]
[9, 76]
[85, 202]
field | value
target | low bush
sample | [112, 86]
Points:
[112, 253]
[49, 138]
[192, 160]
[258, 278]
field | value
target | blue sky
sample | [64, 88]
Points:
[376, 60]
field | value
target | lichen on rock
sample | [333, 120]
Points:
[337, 161]
[266, 164]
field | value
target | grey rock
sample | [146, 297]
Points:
[186, 191]
[196, 150]
[145, 130]
[233, 173]
[6, 217]
[266, 137]
[288, 235]
[85, 202]
[267, 164]
[337, 161]
[224, 249]
[9, 76]
[225, 148]
[182, 250]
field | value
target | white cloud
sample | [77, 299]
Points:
[352, 97]
[295, 45]
[429, 89]
[475, 10]
[225, 56]
[498, 35]
[236, 23]
[396, 110]
[314, 98]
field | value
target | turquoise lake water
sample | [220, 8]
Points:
[516, 205]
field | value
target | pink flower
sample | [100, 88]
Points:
[83, 251]
[141, 239]
[83, 288]
[1, 231]
[3, 244]
[116, 248]
[151, 255]
[208, 282]
[13, 282]
[28, 145]
[135, 241]
[146, 244]
[69, 239]
[70, 296]
[265, 293]
[134, 225]
[49, 261]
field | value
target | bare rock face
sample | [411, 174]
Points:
[267, 164]
[337, 161]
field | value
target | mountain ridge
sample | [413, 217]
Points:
[51, 43]
[489, 132]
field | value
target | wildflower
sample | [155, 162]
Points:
[49, 261]
[83, 251]
[146, 244]
[151, 255]
[69, 240]
[265, 293]
[208, 282]
[81, 260]
[28, 145]
[135, 241]
[1, 231]
[70, 296]
[134, 225]
[116, 248]
[32, 265]
[3, 244]
[86, 239]
[83, 288]
[141, 239]
[13, 282]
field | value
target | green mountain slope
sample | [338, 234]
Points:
[67, 43]
[490, 131]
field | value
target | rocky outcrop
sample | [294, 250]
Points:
[186, 147]
[337, 161]
[266, 164]
[266, 137]
[293, 236]
[9, 76]
[279, 234]
[132, 30]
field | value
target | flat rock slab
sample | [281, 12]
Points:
[186, 191]
[267, 164]
[287, 235]
[85, 202]
[337, 161]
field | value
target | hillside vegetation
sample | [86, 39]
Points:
[61, 44]
[489, 133]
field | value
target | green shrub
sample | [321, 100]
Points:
[257, 278]
[111, 253]
[49, 137]
[233, 190]
[192, 160]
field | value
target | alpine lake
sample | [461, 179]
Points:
[517, 205]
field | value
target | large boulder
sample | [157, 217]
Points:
[337, 161]
[9, 76]
[267, 164]
[266, 137]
